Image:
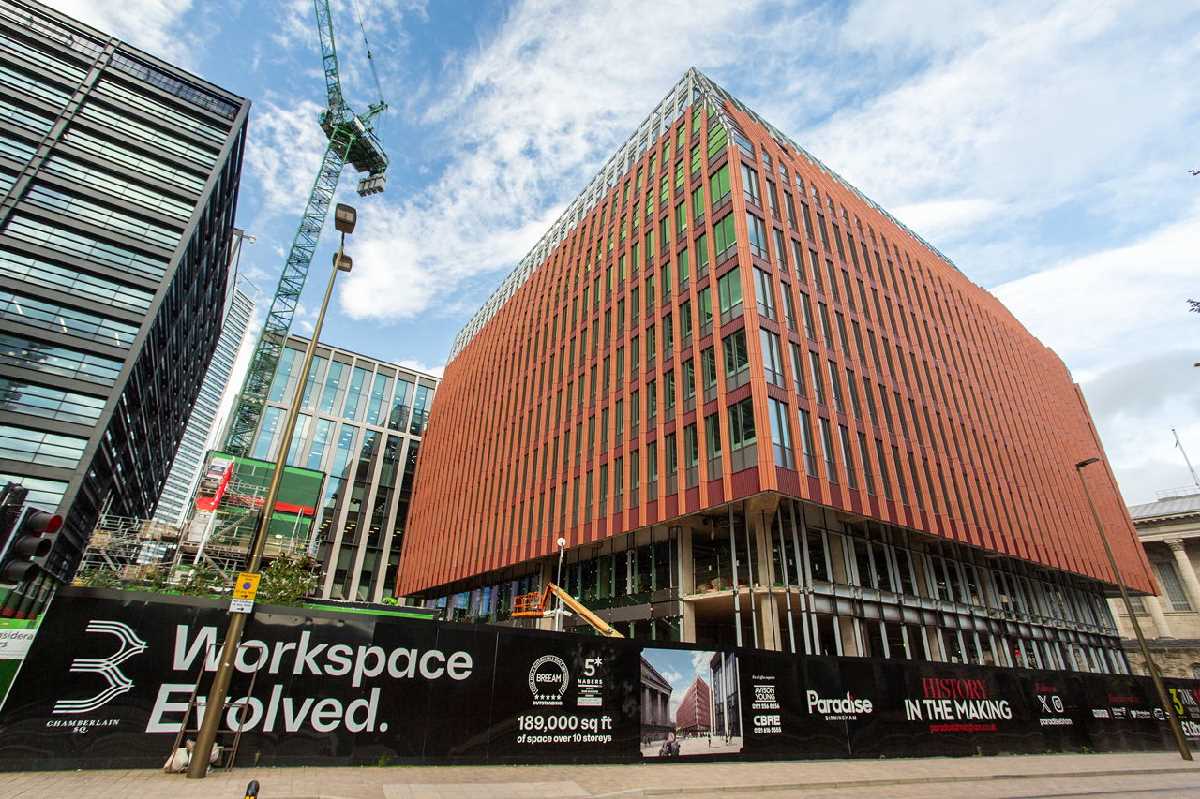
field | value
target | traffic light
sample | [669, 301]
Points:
[30, 537]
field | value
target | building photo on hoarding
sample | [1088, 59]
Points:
[690, 703]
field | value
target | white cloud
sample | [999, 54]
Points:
[420, 366]
[150, 25]
[284, 152]
[527, 120]
[939, 219]
[1119, 320]
[1020, 112]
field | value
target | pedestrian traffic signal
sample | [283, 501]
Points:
[30, 538]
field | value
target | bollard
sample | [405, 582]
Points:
[252, 790]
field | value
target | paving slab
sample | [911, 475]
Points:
[1148, 775]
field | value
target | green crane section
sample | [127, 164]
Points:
[352, 140]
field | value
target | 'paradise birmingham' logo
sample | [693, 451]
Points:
[548, 678]
[107, 668]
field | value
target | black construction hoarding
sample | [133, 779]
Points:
[107, 681]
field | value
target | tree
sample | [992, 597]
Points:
[202, 580]
[288, 579]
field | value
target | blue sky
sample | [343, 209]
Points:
[1046, 150]
[679, 667]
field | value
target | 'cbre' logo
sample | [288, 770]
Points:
[106, 667]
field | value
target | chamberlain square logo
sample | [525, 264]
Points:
[107, 669]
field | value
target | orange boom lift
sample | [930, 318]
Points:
[537, 603]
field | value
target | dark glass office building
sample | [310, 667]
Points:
[118, 185]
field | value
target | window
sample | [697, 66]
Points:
[781, 434]
[757, 234]
[704, 298]
[691, 454]
[28, 354]
[772, 357]
[814, 361]
[797, 368]
[806, 307]
[689, 381]
[737, 362]
[719, 186]
[684, 270]
[712, 436]
[40, 448]
[764, 294]
[724, 238]
[750, 185]
[806, 443]
[20, 396]
[789, 307]
[826, 331]
[881, 459]
[836, 385]
[67, 321]
[780, 250]
[708, 373]
[729, 295]
[844, 435]
[1169, 577]
[827, 449]
[718, 137]
[742, 434]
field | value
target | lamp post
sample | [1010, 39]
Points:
[562, 544]
[1155, 675]
[344, 219]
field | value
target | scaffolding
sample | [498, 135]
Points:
[132, 550]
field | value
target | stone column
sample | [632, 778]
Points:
[1154, 608]
[1184, 563]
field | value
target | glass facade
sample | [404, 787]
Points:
[361, 435]
[189, 458]
[116, 227]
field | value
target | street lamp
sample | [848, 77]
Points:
[562, 544]
[1155, 675]
[344, 220]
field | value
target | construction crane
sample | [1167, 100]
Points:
[352, 139]
[536, 604]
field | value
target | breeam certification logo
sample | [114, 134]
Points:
[548, 680]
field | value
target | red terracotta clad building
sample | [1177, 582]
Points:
[694, 716]
[760, 410]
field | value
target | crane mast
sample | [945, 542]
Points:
[352, 140]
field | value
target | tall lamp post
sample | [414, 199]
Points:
[1151, 666]
[344, 219]
[562, 544]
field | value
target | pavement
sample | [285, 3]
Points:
[1140, 775]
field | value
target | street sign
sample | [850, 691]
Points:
[241, 605]
[246, 586]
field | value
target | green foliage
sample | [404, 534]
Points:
[101, 577]
[201, 580]
[288, 580]
[390, 600]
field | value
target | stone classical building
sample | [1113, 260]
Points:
[656, 703]
[1169, 529]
